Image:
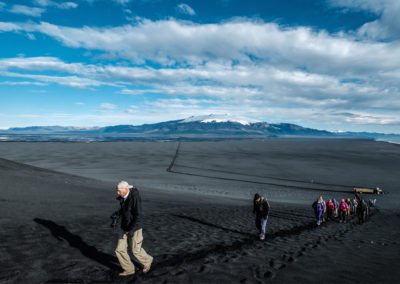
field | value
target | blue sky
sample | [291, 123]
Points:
[327, 64]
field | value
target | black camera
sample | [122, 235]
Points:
[114, 217]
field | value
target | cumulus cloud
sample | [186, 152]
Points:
[26, 10]
[266, 69]
[170, 42]
[387, 26]
[185, 9]
[222, 81]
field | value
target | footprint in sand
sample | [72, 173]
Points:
[179, 272]
[269, 274]
[271, 263]
[291, 259]
[282, 266]
[202, 269]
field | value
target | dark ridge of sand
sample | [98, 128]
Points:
[198, 225]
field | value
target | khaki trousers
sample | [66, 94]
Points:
[138, 252]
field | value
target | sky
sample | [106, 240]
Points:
[324, 64]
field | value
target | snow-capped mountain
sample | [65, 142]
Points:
[195, 127]
[215, 126]
[219, 118]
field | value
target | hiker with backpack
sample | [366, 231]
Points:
[330, 207]
[336, 210]
[261, 210]
[319, 208]
[349, 203]
[362, 209]
[343, 207]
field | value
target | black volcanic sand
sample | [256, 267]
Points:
[56, 199]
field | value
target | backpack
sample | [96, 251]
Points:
[342, 206]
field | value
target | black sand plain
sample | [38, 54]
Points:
[56, 199]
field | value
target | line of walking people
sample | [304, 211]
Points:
[324, 211]
[333, 209]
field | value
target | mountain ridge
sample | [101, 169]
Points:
[209, 126]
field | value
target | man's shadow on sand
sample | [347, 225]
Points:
[60, 232]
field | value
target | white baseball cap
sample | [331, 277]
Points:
[123, 185]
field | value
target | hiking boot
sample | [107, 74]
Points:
[127, 273]
[147, 267]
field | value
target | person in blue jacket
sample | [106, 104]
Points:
[319, 208]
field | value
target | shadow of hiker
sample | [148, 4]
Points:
[60, 232]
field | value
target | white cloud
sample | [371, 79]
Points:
[28, 11]
[387, 26]
[44, 3]
[122, 2]
[67, 5]
[186, 9]
[191, 90]
[40, 64]
[108, 106]
[70, 81]
[79, 103]
[170, 42]
[50, 3]
[9, 27]
[221, 81]
[358, 117]
[16, 83]
[265, 69]
[31, 36]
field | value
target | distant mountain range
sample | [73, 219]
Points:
[201, 127]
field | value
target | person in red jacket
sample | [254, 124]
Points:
[330, 207]
[343, 207]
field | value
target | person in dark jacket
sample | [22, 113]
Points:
[361, 209]
[261, 210]
[130, 214]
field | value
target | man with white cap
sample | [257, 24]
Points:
[130, 214]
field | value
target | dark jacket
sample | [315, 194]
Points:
[261, 209]
[361, 206]
[131, 211]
